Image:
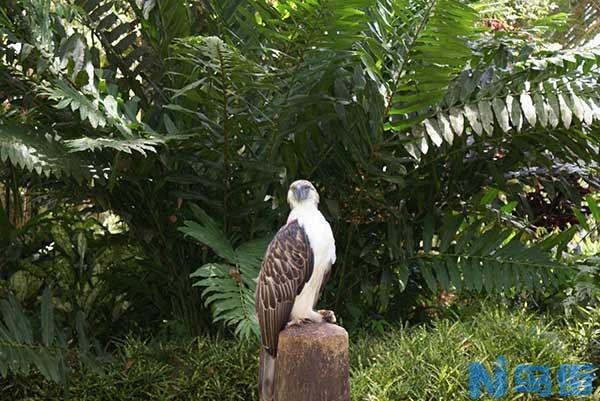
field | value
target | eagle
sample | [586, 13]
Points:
[294, 270]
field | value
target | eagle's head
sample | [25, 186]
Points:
[302, 192]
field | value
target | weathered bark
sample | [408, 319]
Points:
[312, 364]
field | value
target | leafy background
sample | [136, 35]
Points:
[146, 149]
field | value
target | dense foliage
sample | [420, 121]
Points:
[454, 144]
[419, 363]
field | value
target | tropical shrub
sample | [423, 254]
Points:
[48, 347]
[423, 123]
[418, 363]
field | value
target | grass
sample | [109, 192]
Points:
[419, 363]
[432, 363]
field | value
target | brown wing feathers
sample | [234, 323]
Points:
[287, 266]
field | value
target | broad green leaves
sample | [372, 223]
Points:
[48, 326]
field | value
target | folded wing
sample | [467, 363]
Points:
[287, 266]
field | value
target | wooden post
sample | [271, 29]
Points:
[312, 364]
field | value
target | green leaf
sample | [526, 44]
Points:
[593, 207]
[31, 149]
[457, 121]
[489, 196]
[501, 114]
[62, 239]
[576, 106]
[477, 275]
[445, 128]
[588, 112]
[428, 232]
[452, 223]
[515, 112]
[209, 233]
[472, 115]
[565, 111]
[487, 274]
[469, 273]
[553, 110]
[441, 274]
[428, 276]
[82, 339]
[454, 273]
[528, 109]
[141, 145]
[430, 50]
[509, 207]
[81, 247]
[487, 116]
[403, 274]
[432, 129]
[541, 109]
[581, 218]
[47, 314]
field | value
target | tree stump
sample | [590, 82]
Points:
[312, 364]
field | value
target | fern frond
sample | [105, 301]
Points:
[209, 233]
[231, 300]
[99, 111]
[220, 81]
[228, 288]
[140, 145]
[43, 154]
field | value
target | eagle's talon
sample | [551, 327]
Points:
[298, 322]
[294, 322]
[328, 315]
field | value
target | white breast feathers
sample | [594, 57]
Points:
[322, 244]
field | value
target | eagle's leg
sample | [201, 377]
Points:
[328, 315]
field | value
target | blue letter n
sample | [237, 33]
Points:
[479, 376]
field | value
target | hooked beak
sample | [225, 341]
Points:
[301, 192]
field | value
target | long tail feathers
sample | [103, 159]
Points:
[266, 376]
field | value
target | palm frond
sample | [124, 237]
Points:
[428, 40]
[585, 17]
[475, 256]
[541, 110]
[543, 92]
